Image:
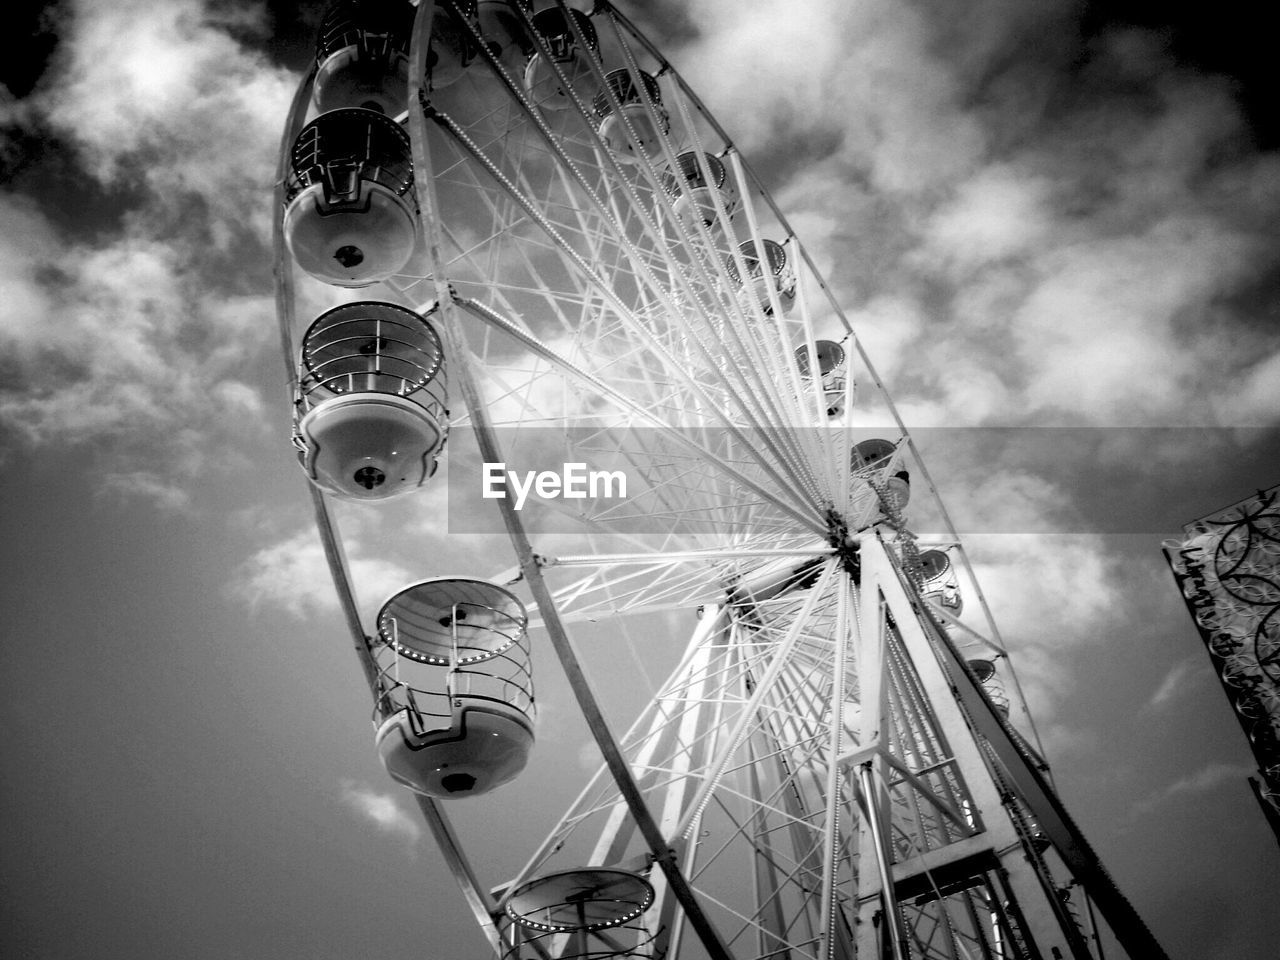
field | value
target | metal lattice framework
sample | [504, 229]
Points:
[825, 772]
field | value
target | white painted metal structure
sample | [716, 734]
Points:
[821, 774]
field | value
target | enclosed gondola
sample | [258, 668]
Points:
[940, 586]
[631, 119]
[560, 64]
[362, 56]
[371, 414]
[455, 706]
[984, 671]
[878, 465]
[831, 373]
[350, 216]
[590, 912]
[769, 276]
[697, 186]
[502, 30]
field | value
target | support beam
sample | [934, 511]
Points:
[1053, 928]
[478, 900]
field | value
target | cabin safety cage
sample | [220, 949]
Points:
[587, 912]
[697, 184]
[768, 274]
[559, 71]
[830, 357]
[350, 217]
[455, 710]
[371, 407]
[362, 56]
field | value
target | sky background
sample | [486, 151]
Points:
[1037, 215]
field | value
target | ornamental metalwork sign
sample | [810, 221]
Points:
[1228, 568]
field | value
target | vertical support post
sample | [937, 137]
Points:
[835, 776]
[1052, 929]
[871, 833]
[764, 874]
[695, 732]
[874, 816]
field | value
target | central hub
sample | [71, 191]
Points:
[845, 547]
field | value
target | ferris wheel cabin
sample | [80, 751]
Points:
[768, 272]
[695, 184]
[455, 705]
[503, 30]
[984, 671]
[940, 586]
[563, 59]
[628, 128]
[566, 915]
[881, 485]
[371, 413]
[452, 47]
[831, 370]
[362, 56]
[350, 218]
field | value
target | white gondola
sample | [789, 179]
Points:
[574, 62]
[371, 415]
[880, 489]
[984, 671]
[772, 270]
[362, 56]
[590, 912]
[940, 585]
[831, 371]
[350, 218]
[455, 707]
[694, 186]
[502, 30]
[452, 48]
[628, 129]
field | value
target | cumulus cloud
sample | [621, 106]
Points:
[1207, 778]
[293, 575]
[116, 345]
[112, 340]
[588, 756]
[1253, 396]
[383, 810]
[1047, 593]
[168, 496]
[1175, 682]
[163, 92]
[1024, 228]
[140, 330]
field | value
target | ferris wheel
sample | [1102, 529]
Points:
[563, 259]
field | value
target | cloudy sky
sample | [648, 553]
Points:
[1051, 215]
